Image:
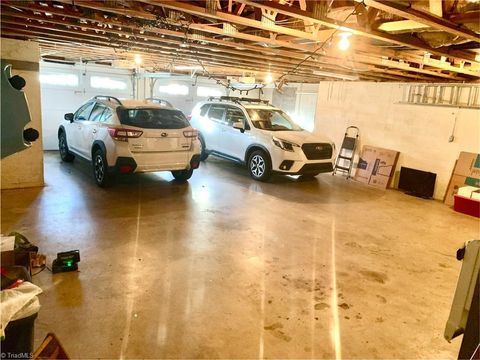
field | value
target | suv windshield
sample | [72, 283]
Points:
[153, 118]
[272, 120]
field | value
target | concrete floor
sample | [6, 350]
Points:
[226, 267]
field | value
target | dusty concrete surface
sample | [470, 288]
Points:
[225, 267]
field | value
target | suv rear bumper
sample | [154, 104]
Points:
[126, 165]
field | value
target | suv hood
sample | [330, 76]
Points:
[299, 137]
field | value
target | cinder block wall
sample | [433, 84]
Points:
[419, 132]
[25, 169]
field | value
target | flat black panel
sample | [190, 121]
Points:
[416, 182]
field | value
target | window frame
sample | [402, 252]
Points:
[207, 107]
[104, 118]
[58, 85]
[99, 117]
[237, 108]
[119, 79]
[218, 121]
[82, 108]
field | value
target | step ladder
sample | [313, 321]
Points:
[347, 151]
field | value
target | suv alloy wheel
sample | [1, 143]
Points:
[63, 147]
[102, 176]
[259, 165]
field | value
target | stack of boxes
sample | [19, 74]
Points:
[464, 188]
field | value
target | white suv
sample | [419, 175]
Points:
[130, 137]
[261, 136]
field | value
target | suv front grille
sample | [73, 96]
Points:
[317, 151]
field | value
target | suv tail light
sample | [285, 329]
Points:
[190, 133]
[122, 134]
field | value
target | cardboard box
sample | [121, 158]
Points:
[376, 166]
[465, 173]
[456, 182]
[468, 165]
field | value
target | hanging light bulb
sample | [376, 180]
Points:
[344, 43]
[268, 78]
[138, 59]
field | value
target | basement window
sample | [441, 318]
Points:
[59, 79]
[104, 82]
[205, 91]
[173, 89]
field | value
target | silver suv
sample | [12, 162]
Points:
[130, 137]
[263, 137]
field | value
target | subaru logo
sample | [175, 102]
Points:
[319, 148]
[164, 134]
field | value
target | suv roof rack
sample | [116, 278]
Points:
[238, 99]
[108, 98]
[159, 101]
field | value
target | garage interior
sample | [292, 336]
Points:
[223, 266]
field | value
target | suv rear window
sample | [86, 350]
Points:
[153, 118]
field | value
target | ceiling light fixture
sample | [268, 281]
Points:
[268, 78]
[344, 43]
[138, 59]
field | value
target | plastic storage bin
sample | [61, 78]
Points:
[18, 342]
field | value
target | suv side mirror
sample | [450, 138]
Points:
[69, 117]
[239, 125]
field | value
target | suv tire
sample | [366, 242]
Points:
[182, 175]
[103, 177]
[65, 154]
[203, 152]
[259, 165]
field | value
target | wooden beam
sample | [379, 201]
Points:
[240, 9]
[431, 20]
[103, 7]
[218, 15]
[435, 7]
[469, 16]
[401, 26]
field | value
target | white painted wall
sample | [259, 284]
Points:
[57, 100]
[305, 100]
[419, 133]
[25, 168]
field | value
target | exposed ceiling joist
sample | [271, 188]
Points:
[435, 22]
[401, 25]
[235, 19]
[395, 39]
[277, 56]
[230, 36]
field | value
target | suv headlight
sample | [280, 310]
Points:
[284, 145]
